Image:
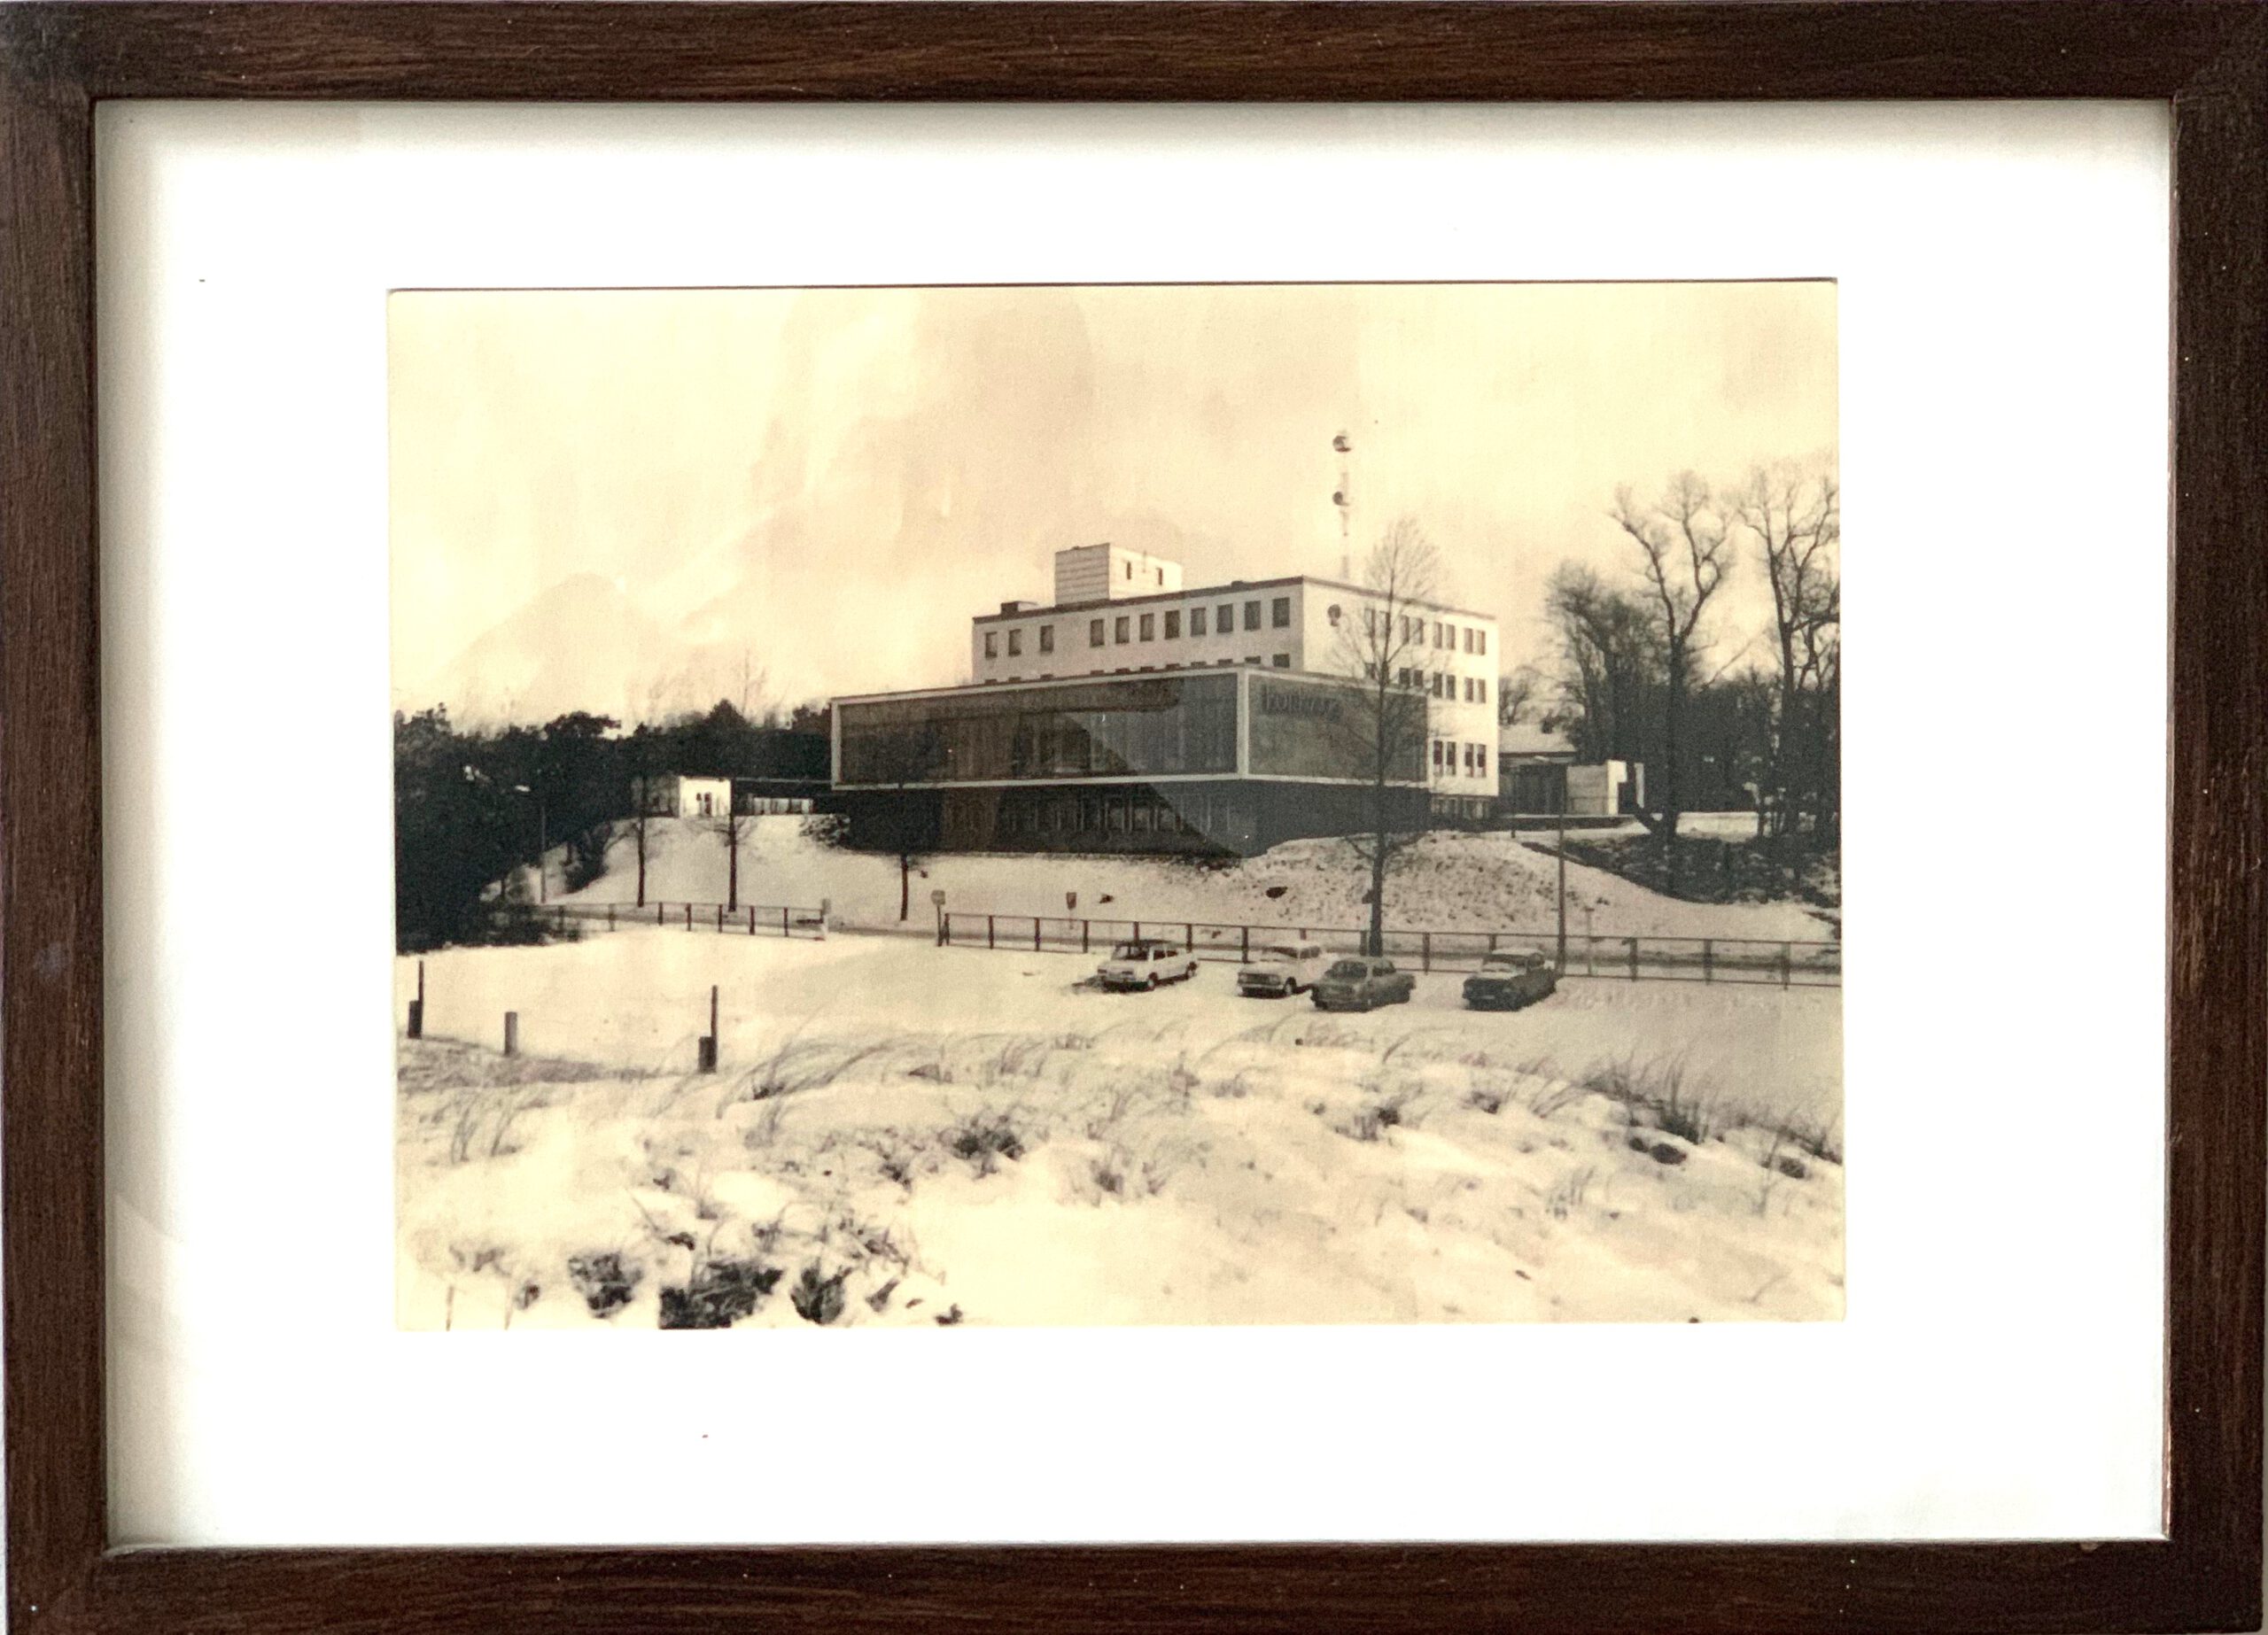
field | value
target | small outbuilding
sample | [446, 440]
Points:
[1539, 776]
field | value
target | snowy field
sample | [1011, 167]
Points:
[902, 1133]
[1452, 882]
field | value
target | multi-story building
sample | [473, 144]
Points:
[1102, 720]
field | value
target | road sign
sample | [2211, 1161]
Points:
[938, 898]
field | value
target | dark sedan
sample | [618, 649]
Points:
[1510, 978]
[1363, 984]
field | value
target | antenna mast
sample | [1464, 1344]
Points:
[1345, 500]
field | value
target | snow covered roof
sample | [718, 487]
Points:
[1529, 740]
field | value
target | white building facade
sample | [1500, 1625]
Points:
[1141, 619]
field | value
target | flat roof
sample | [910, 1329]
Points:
[1088, 678]
[1214, 593]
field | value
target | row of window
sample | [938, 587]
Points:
[1145, 627]
[1449, 637]
[1447, 757]
[1438, 683]
[1281, 661]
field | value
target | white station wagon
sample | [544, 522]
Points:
[1279, 971]
[1145, 965]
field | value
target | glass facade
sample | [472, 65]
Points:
[1157, 727]
[1303, 730]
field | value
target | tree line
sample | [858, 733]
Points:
[473, 807]
[1644, 669]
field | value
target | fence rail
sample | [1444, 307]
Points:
[1786, 963]
[754, 919]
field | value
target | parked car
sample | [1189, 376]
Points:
[1363, 984]
[1145, 965]
[1510, 979]
[1280, 972]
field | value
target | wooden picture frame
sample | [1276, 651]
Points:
[2209, 59]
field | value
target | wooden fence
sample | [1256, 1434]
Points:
[1786, 964]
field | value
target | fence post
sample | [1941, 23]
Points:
[1492, 942]
[417, 1005]
[511, 1032]
[1708, 960]
[1084, 926]
[1634, 957]
[991, 933]
[1244, 945]
[708, 1050]
[688, 917]
[752, 919]
[1425, 950]
[721, 916]
[1787, 958]
[658, 907]
[783, 919]
[1137, 931]
[1035, 933]
[609, 917]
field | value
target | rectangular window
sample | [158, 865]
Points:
[992, 644]
[1279, 612]
[1120, 628]
[1252, 615]
[1015, 644]
[1480, 690]
[1227, 622]
[1149, 627]
[1047, 639]
[1483, 648]
[1173, 626]
[1437, 755]
[1282, 660]
[1094, 632]
[1437, 633]
[1480, 759]
[1197, 620]
[1254, 659]
[1141, 817]
[1369, 672]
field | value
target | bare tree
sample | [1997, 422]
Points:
[1383, 738]
[1796, 519]
[1515, 691]
[1681, 539]
[730, 825]
[902, 760]
[643, 811]
[1609, 658]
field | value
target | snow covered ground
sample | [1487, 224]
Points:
[1452, 882]
[906, 1133]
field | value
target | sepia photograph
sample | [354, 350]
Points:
[1116, 804]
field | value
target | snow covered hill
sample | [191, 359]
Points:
[1450, 882]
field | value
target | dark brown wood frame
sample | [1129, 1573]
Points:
[2209, 59]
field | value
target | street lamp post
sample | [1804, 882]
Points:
[1562, 849]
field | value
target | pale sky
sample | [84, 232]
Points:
[627, 501]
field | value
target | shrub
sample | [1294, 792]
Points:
[984, 1139]
[1659, 1086]
[816, 1299]
[720, 1294]
[604, 1280]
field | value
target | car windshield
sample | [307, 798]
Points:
[1130, 951]
[1280, 956]
[1350, 968]
[1508, 962]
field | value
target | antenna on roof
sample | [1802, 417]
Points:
[1344, 499]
